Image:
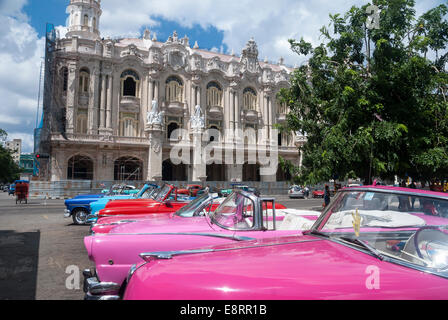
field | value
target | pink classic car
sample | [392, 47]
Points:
[370, 243]
[242, 216]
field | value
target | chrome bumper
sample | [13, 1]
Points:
[67, 213]
[96, 290]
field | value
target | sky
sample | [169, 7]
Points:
[218, 25]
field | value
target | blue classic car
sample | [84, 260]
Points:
[79, 207]
[96, 206]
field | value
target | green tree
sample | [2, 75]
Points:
[9, 170]
[373, 102]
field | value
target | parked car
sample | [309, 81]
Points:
[123, 190]
[12, 189]
[241, 217]
[79, 207]
[145, 193]
[368, 244]
[239, 186]
[295, 192]
[165, 201]
[318, 193]
[190, 190]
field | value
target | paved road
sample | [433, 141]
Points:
[37, 244]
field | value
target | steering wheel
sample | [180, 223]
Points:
[430, 245]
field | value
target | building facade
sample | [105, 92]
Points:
[117, 102]
[15, 146]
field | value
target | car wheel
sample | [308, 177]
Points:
[80, 216]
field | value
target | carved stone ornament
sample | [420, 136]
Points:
[249, 57]
[155, 145]
[131, 51]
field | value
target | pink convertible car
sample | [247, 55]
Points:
[242, 216]
[370, 243]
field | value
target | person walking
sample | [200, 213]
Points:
[327, 195]
[307, 192]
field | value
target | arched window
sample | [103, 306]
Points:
[173, 126]
[86, 20]
[64, 78]
[81, 121]
[282, 108]
[84, 77]
[130, 84]
[94, 23]
[174, 89]
[214, 133]
[214, 95]
[80, 168]
[128, 168]
[128, 125]
[250, 99]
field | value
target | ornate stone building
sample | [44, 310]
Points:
[117, 103]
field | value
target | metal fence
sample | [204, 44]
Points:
[70, 188]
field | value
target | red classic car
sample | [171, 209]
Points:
[191, 190]
[162, 202]
[318, 193]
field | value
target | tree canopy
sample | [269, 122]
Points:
[373, 101]
[9, 170]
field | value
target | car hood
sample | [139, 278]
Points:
[129, 203]
[288, 268]
[90, 196]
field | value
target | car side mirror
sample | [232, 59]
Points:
[168, 203]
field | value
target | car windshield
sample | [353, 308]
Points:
[195, 207]
[235, 213]
[164, 191]
[410, 228]
[147, 194]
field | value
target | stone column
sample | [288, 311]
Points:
[199, 165]
[155, 134]
[103, 102]
[266, 117]
[156, 91]
[109, 104]
[238, 125]
[93, 103]
[231, 110]
[72, 93]
[235, 173]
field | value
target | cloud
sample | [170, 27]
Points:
[21, 50]
[271, 23]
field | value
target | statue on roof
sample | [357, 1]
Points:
[155, 116]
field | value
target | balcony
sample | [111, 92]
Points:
[215, 112]
[129, 104]
[83, 99]
[251, 115]
[281, 118]
[174, 107]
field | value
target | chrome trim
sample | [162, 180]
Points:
[415, 193]
[101, 298]
[224, 236]
[166, 255]
[100, 288]
[132, 270]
